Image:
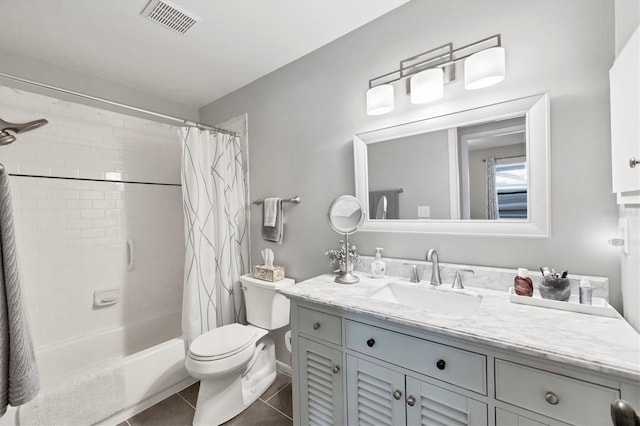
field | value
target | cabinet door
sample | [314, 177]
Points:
[321, 384]
[431, 405]
[375, 394]
[625, 116]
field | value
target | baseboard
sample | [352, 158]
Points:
[143, 405]
[281, 366]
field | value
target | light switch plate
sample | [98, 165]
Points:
[424, 212]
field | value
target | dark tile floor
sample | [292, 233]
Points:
[273, 408]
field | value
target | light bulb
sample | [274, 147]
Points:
[485, 68]
[427, 86]
[380, 99]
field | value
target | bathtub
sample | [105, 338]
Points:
[151, 354]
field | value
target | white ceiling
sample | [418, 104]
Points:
[237, 41]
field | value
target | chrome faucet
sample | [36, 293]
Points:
[457, 281]
[432, 256]
[415, 276]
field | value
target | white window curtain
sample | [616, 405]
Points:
[216, 230]
[492, 193]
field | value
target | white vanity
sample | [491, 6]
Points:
[360, 359]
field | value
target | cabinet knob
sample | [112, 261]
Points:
[411, 401]
[370, 343]
[622, 414]
[552, 398]
[441, 364]
[633, 162]
[316, 325]
[397, 394]
[336, 369]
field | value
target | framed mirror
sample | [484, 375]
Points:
[483, 171]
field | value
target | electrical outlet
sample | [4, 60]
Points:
[424, 212]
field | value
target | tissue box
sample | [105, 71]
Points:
[268, 273]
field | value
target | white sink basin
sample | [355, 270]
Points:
[430, 299]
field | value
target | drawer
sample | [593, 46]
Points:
[563, 398]
[458, 367]
[318, 324]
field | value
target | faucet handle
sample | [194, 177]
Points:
[415, 277]
[457, 281]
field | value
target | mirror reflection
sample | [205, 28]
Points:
[345, 214]
[472, 172]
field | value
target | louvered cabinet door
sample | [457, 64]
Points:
[321, 384]
[375, 394]
[434, 406]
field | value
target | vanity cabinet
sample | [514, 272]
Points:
[553, 395]
[381, 396]
[320, 384]
[320, 367]
[355, 369]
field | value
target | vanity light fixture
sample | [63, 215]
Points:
[484, 69]
[427, 86]
[429, 71]
[380, 99]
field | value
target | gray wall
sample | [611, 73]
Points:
[419, 165]
[302, 118]
[52, 75]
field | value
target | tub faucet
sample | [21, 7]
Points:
[432, 256]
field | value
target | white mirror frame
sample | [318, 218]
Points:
[536, 111]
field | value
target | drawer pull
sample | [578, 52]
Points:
[552, 398]
[633, 162]
[316, 325]
[441, 364]
[411, 401]
[397, 394]
[370, 343]
[336, 369]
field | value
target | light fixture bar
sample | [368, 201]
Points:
[442, 56]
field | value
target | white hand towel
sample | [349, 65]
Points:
[270, 211]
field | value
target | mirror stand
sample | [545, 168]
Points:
[346, 214]
[346, 277]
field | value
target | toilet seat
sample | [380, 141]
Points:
[222, 342]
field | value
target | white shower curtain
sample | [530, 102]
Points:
[216, 230]
[492, 193]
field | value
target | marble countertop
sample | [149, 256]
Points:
[602, 344]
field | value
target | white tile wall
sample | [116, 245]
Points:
[71, 234]
[87, 142]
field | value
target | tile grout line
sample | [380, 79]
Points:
[184, 399]
[277, 392]
[271, 406]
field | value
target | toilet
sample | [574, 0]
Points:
[236, 363]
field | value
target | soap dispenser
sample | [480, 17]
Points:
[378, 266]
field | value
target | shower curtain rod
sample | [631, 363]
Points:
[184, 122]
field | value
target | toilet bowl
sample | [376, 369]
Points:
[236, 363]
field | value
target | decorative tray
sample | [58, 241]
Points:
[598, 305]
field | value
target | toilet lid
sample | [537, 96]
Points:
[222, 342]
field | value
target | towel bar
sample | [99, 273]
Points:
[296, 199]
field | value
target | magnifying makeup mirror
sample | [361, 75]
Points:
[346, 215]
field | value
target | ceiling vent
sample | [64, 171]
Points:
[170, 15]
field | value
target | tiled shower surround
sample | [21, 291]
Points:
[71, 234]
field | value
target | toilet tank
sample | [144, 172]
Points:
[266, 308]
